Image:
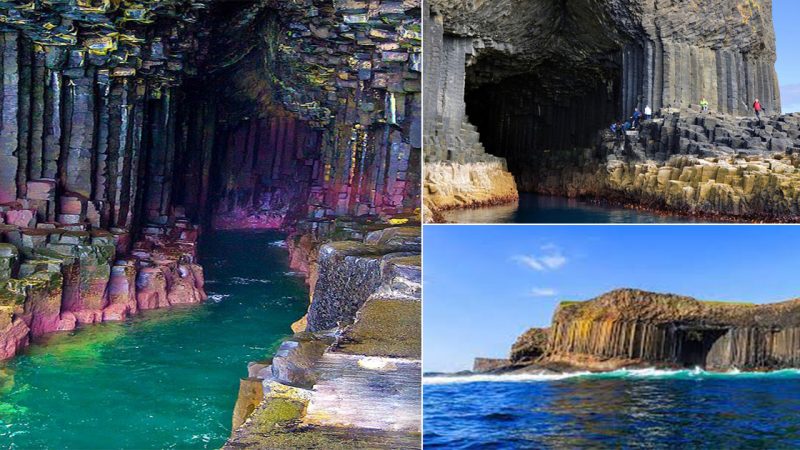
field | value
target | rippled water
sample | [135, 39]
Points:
[623, 409]
[534, 208]
[165, 379]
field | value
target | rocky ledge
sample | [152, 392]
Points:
[633, 328]
[56, 276]
[688, 163]
[349, 377]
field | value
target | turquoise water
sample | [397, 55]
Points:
[166, 378]
[647, 408]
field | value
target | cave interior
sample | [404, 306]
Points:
[695, 345]
[576, 76]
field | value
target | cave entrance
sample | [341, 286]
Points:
[523, 116]
[695, 344]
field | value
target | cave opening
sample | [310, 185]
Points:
[525, 115]
[694, 345]
[580, 67]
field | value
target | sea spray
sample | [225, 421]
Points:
[645, 373]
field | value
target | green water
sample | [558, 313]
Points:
[166, 378]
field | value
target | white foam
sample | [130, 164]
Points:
[650, 372]
[507, 378]
[281, 244]
[245, 281]
[216, 298]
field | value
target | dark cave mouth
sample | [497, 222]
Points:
[694, 345]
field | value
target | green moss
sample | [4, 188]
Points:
[276, 413]
[385, 328]
[726, 304]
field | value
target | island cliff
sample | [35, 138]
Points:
[522, 98]
[633, 328]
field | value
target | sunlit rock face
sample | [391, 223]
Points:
[631, 327]
[126, 126]
[540, 77]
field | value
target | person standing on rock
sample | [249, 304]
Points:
[648, 113]
[704, 105]
[758, 109]
[637, 117]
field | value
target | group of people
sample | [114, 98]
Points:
[756, 107]
[619, 128]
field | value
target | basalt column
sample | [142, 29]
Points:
[541, 81]
[321, 120]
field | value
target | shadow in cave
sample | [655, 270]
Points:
[695, 344]
[577, 73]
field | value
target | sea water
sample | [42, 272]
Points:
[166, 378]
[533, 208]
[645, 408]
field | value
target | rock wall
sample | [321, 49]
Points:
[352, 379]
[542, 77]
[125, 124]
[687, 163]
[458, 171]
[630, 327]
[334, 127]
[56, 278]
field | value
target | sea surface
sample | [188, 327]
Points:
[533, 208]
[166, 378]
[645, 408]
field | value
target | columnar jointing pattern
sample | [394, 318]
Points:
[124, 124]
[547, 77]
[634, 327]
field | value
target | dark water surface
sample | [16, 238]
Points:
[534, 208]
[166, 378]
[624, 409]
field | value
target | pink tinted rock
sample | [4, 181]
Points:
[71, 205]
[24, 218]
[122, 287]
[14, 338]
[88, 316]
[41, 190]
[68, 321]
[116, 312]
[184, 286]
[151, 288]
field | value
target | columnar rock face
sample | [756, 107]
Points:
[688, 162]
[543, 77]
[352, 379]
[458, 171]
[322, 111]
[125, 124]
[631, 327]
[55, 278]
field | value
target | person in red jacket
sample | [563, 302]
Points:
[757, 108]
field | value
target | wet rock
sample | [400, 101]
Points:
[530, 345]
[489, 364]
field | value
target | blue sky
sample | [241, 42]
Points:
[786, 14]
[485, 285]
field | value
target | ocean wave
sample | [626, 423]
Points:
[651, 372]
[242, 280]
[293, 274]
[216, 298]
[281, 244]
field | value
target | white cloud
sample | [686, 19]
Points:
[550, 259]
[543, 292]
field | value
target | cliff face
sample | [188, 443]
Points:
[349, 378]
[126, 126]
[540, 78]
[631, 327]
